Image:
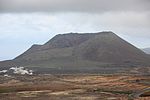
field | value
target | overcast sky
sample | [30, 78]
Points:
[27, 22]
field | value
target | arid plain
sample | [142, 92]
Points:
[75, 87]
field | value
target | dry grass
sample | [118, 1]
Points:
[74, 87]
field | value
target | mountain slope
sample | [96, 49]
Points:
[104, 47]
[108, 47]
[83, 52]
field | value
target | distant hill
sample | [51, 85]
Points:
[84, 52]
[146, 50]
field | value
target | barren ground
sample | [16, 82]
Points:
[75, 87]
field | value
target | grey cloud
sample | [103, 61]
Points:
[73, 5]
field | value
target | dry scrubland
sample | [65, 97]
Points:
[75, 87]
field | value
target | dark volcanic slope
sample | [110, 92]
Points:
[108, 47]
[87, 51]
[104, 47]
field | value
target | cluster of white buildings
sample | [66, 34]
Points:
[17, 70]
